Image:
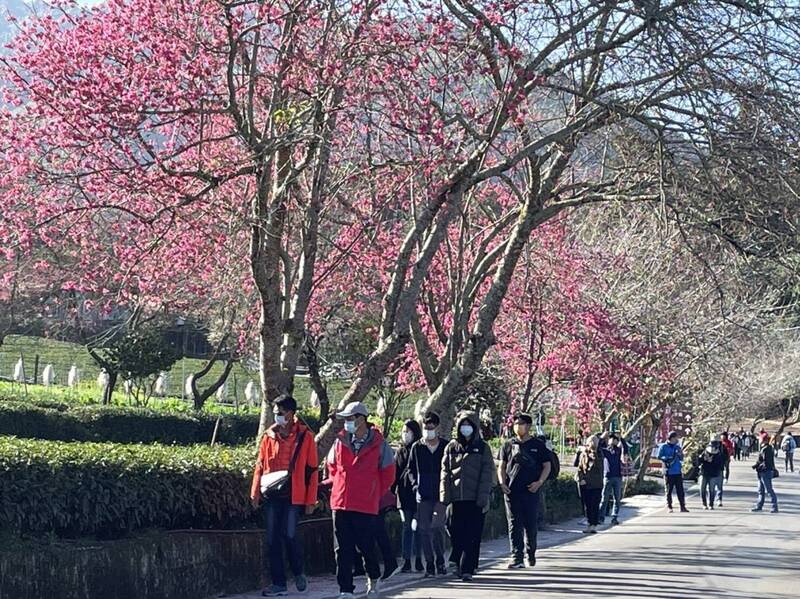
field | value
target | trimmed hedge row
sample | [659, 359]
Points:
[122, 425]
[107, 489]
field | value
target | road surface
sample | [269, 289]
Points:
[728, 552]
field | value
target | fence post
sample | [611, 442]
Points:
[35, 368]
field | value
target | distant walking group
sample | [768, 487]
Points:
[713, 463]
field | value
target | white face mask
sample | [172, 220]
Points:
[350, 426]
[408, 438]
[430, 435]
[466, 430]
[280, 419]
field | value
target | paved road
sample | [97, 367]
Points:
[729, 552]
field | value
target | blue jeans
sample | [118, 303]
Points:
[764, 487]
[280, 518]
[411, 539]
[612, 487]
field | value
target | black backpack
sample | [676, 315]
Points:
[555, 466]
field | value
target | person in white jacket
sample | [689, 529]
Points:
[788, 445]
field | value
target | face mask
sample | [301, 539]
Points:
[466, 430]
[408, 438]
[350, 426]
[280, 419]
[430, 435]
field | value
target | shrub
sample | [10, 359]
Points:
[647, 486]
[74, 489]
[122, 425]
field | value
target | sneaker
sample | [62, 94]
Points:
[430, 571]
[719, 504]
[530, 563]
[441, 570]
[517, 564]
[711, 508]
[373, 587]
[593, 529]
[275, 590]
[466, 578]
[669, 509]
[391, 571]
[406, 567]
[705, 507]
[773, 510]
[755, 509]
[587, 530]
[301, 582]
[346, 595]
[614, 521]
[683, 509]
[418, 565]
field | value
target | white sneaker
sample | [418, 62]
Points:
[373, 587]
[346, 595]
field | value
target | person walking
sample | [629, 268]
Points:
[747, 439]
[738, 446]
[407, 497]
[612, 481]
[285, 481]
[361, 468]
[590, 465]
[765, 469]
[712, 464]
[788, 446]
[728, 446]
[671, 455]
[425, 471]
[468, 474]
[525, 464]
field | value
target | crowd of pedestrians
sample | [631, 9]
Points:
[441, 485]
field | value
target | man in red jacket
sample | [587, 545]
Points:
[361, 469]
[287, 441]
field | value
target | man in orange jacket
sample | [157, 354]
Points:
[287, 446]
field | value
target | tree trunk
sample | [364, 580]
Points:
[310, 352]
[199, 398]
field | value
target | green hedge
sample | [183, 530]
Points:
[79, 489]
[122, 425]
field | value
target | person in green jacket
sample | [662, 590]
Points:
[468, 475]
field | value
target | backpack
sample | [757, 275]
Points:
[555, 466]
[786, 444]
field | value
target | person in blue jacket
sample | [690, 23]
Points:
[671, 455]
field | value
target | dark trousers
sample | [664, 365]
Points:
[280, 520]
[466, 528]
[591, 503]
[522, 513]
[385, 545]
[675, 481]
[351, 530]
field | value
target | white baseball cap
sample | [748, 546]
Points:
[352, 409]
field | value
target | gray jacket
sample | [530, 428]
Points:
[468, 470]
